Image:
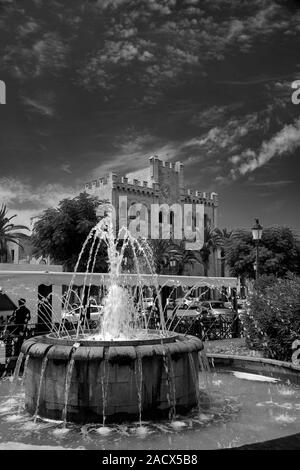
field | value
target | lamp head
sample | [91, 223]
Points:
[257, 230]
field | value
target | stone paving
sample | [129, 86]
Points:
[234, 346]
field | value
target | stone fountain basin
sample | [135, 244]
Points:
[116, 380]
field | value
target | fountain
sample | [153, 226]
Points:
[102, 386]
[120, 370]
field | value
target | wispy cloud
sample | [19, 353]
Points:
[66, 167]
[283, 142]
[256, 80]
[39, 107]
[272, 184]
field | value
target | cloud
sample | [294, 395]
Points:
[66, 167]
[28, 201]
[150, 45]
[272, 184]
[209, 116]
[229, 135]
[161, 45]
[283, 142]
[27, 28]
[134, 157]
[39, 107]
[39, 56]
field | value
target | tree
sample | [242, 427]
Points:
[212, 241]
[272, 320]
[279, 253]
[160, 252]
[9, 233]
[61, 232]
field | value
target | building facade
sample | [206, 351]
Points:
[159, 183]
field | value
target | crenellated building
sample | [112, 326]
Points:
[160, 183]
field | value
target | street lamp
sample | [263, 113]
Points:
[173, 263]
[257, 234]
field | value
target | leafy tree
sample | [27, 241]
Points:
[9, 233]
[279, 252]
[272, 321]
[60, 232]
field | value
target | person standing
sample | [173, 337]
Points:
[20, 317]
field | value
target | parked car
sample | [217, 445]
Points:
[195, 303]
[183, 302]
[148, 303]
[215, 308]
[73, 315]
[170, 303]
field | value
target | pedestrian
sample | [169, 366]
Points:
[20, 317]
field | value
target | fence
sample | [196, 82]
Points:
[210, 328]
[12, 337]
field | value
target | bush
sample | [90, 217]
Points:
[272, 321]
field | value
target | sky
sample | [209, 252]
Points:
[99, 86]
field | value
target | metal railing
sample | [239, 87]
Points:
[12, 336]
[211, 328]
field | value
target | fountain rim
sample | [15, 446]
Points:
[52, 339]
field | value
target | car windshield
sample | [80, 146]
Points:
[217, 305]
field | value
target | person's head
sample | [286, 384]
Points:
[21, 302]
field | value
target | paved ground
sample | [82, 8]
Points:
[235, 346]
[282, 443]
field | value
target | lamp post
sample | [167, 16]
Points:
[257, 234]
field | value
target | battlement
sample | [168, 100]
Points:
[122, 183]
[113, 180]
[176, 166]
[199, 197]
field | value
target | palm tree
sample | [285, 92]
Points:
[212, 241]
[161, 254]
[9, 232]
[225, 235]
[183, 256]
[166, 250]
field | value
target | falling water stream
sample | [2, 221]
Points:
[194, 374]
[104, 386]
[139, 383]
[17, 371]
[43, 369]
[69, 373]
[21, 404]
[170, 382]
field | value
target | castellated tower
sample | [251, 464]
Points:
[160, 182]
